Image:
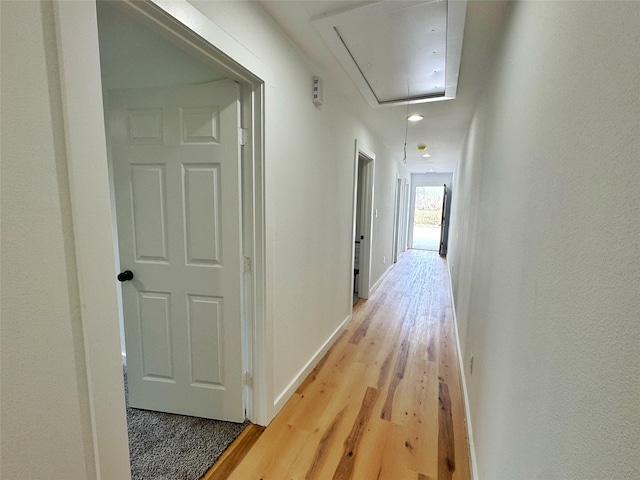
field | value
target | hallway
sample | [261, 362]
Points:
[386, 401]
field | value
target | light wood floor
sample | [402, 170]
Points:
[385, 403]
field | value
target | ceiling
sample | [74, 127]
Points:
[376, 54]
[132, 55]
[398, 51]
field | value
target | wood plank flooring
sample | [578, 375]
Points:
[234, 454]
[385, 403]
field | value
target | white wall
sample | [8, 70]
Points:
[46, 425]
[431, 179]
[544, 249]
[133, 54]
[309, 193]
[45, 412]
[309, 205]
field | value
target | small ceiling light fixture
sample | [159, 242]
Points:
[415, 118]
[426, 155]
[422, 147]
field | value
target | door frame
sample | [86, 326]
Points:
[364, 277]
[83, 112]
[397, 215]
[405, 216]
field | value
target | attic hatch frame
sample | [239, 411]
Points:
[81, 95]
[328, 26]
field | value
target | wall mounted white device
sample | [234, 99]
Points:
[318, 91]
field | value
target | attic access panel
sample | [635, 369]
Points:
[399, 52]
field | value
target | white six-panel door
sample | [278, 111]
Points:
[176, 158]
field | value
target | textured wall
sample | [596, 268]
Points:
[309, 192]
[545, 255]
[45, 416]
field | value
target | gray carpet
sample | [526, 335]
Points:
[163, 446]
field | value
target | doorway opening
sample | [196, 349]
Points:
[362, 223]
[174, 145]
[427, 218]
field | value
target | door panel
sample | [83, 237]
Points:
[177, 187]
[155, 334]
[148, 193]
[205, 341]
[444, 221]
[202, 214]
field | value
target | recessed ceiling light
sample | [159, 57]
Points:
[426, 155]
[415, 118]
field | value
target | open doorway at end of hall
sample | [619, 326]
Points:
[428, 217]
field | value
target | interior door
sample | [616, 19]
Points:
[176, 159]
[443, 224]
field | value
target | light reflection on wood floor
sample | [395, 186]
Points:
[385, 403]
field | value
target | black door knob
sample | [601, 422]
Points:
[125, 276]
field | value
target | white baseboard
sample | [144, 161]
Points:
[288, 392]
[380, 280]
[463, 379]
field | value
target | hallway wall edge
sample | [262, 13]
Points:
[288, 392]
[463, 381]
